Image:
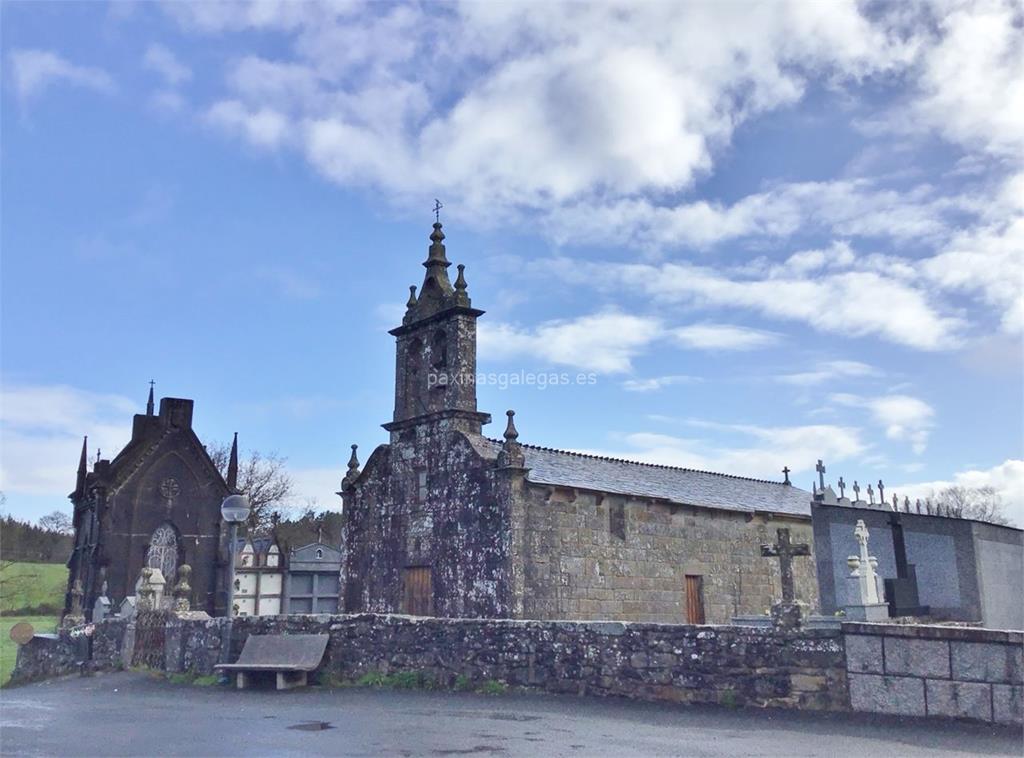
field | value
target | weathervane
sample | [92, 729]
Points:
[437, 210]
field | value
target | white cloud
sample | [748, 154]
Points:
[723, 337]
[829, 371]
[165, 63]
[263, 127]
[1007, 478]
[853, 303]
[528, 107]
[42, 430]
[655, 383]
[972, 87]
[761, 451]
[595, 120]
[987, 262]
[603, 342]
[904, 418]
[34, 71]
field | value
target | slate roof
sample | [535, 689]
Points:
[678, 485]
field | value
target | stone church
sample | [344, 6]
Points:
[446, 521]
[157, 504]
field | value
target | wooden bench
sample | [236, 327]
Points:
[290, 656]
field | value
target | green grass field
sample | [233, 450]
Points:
[8, 650]
[28, 585]
[31, 585]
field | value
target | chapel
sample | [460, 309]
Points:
[157, 504]
[444, 520]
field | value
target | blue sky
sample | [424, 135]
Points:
[773, 233]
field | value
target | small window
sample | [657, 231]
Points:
[421, 486]
[319, 554]
[617, 519]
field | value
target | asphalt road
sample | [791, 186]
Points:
[134, 714]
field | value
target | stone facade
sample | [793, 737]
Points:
[156, 504]
[444, 521]
[574, 566]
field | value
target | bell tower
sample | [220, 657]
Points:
[435, 367]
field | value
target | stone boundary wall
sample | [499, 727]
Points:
[905, 670]
[49, 655]
[935, 671]
[731, 665]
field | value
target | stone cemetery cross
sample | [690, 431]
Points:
[785, 551]
[820, 468]
[842, 487]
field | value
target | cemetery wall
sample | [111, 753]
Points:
[682, 663]
[907, 670]
[935, 671]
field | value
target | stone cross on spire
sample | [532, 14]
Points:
[881, 491]
[785, 473]
[149, 403]
[437, 210]
[842, 487]
[856, 491]
[820, 468]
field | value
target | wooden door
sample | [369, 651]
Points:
[694, 599]
[418, 596]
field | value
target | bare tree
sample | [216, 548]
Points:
[57, 521]
[979, 503]
[263, 478]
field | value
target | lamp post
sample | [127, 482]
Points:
[234, 510]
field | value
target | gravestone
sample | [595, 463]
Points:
[151, 590]
[871, 605]
[101, 608]
[901, 591]
[128, 607]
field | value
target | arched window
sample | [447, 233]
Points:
[439, 350]
[319, 554]
[415, 379]
[163, 551]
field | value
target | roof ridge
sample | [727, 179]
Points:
[648, 465]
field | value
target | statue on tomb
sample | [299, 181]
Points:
[183, 590]
[75, 615]
[869, 604]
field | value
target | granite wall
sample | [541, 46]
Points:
[966, 570]
[935, 671]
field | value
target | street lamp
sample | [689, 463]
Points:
[234, 510]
